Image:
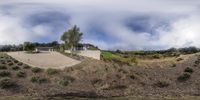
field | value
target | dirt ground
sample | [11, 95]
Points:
[96, 78]
[45, 59]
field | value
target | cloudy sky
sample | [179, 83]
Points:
[109, 24]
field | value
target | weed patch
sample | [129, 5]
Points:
[6, 83]
[65, 81]
[36, 70]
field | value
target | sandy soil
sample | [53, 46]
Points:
[45, 59]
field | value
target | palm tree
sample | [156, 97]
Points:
[72, 37]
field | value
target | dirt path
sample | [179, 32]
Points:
[44, 60]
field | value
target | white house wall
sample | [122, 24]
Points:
[95, 54]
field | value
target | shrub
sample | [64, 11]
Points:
[156, 56]
[98, 83]
[26, 67]
[15, 67]
[20, 63]
[15, 61]
[3, 67]
[37, 79]
[134, 60]
[185, 76]
[10, 64]
[3, 62]
[66, 80]
[4, 73]
[52, 71]
[179, 59]
[132, 77]
[162, 84]
[189, 70]
[173, 65]
[9, 61]
[36, 70]
[21, 74]
[197, 62]
[6, 83]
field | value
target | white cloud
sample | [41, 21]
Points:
[109, 15]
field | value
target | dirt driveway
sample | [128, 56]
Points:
[45, 59]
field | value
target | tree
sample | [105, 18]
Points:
[28, 46]
[72, 37]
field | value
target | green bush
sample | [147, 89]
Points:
[3, 62]
[3, 67]
[189, 70]
[52, 71]
[26, 67]
[185, 76]
[37, 79]
[98, 83]
[15, 67]
[179, 59]
[20, 64]
[36, 70]
[162, 84]
[15, 61]
[66, 80]
[5, 73]
[6, 83]
[9, 61]
[173, 65]
[132, 77]
[156, 56]
[21, 74]
[10, 64]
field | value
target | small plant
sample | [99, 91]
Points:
[132, 77]
[3, 67]
[5, 73]
[173, 65]
[197, 62]
[156, 56]
[162, 84]
[66, 80]
[20, 64]
[9, 61]
[189, 70]
[6, 83]
[185, 76]
[37, 79]
[52, 71]
[3, 62]
[179, 59]
[10, 64]
[15, 61]
[36, 70]
[15, 67]
[26, 67]
[99, 83]
[21, 74]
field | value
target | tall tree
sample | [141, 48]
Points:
[72, 37]
[28, 46]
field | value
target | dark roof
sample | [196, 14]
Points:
[45, 47]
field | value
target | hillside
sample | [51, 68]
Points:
[93, 78]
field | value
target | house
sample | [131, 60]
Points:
[44, 49]
[87, 50]
[80, 47]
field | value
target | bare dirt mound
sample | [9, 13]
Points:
[45, 59]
